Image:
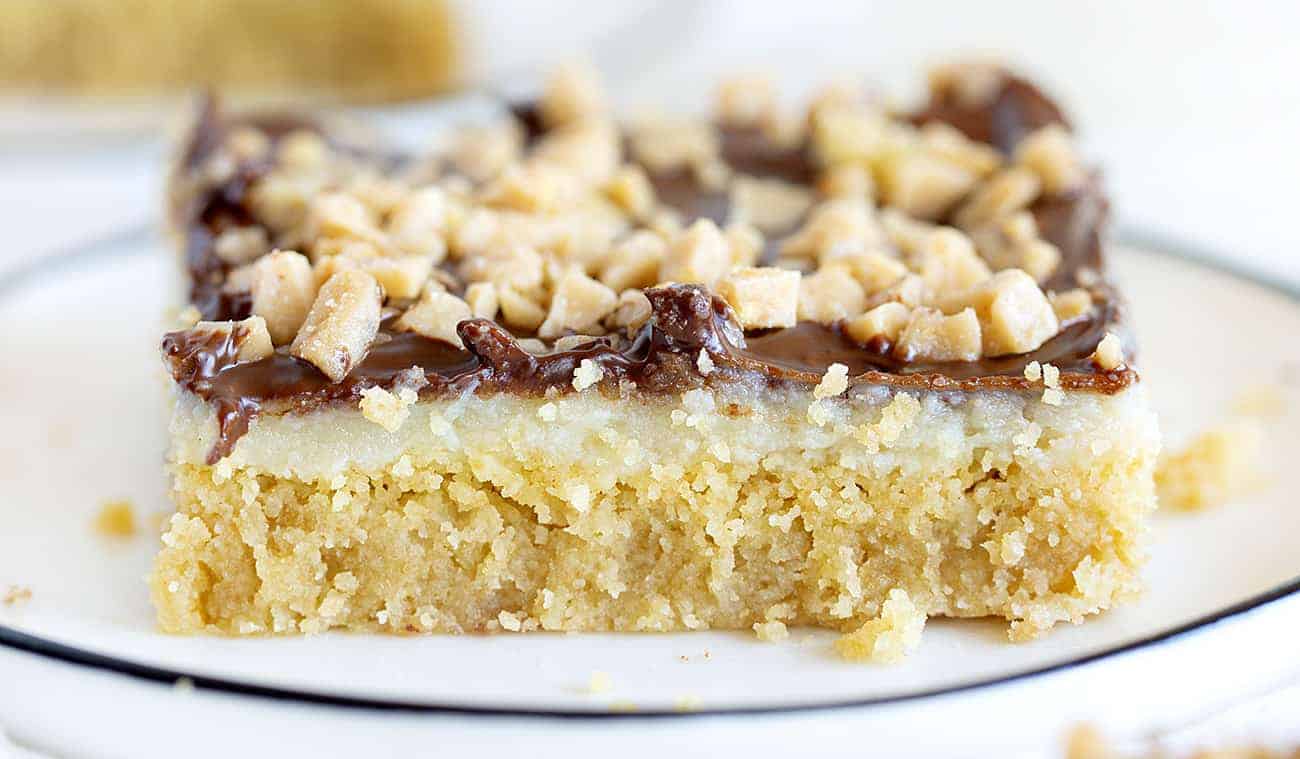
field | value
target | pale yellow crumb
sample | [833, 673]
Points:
[888, 637]
[438, 425]
[818, 413]
[158, 522]
[388, 410]
[510, 621]
[687, 703]
[116, 519]
[1266, 401]
[772, 631]
[834, 382]
[1033, 371]
[1053, 397]
[1085, 742]
[187, 317]
[599, 682]
[1051, 376]
[704, 363]
[587, 374]
[16, 594]
[1218, 465]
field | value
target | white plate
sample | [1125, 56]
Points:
[81, 392]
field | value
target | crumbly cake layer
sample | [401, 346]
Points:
[712, 509]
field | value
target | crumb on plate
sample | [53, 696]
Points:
[15, 595]
[116, 519]
[1218, 465]
[1265, 401]
[888, 637]
[687, 703]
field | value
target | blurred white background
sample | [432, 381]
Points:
[1191, 106]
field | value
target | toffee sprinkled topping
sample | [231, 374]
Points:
[658, 353]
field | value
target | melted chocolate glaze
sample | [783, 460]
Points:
[206, 211]
[660, 357]
[745, 150]
[203, 212]
[1017, 109]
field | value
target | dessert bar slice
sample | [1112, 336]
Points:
[569, 373]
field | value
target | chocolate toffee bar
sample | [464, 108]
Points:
[571, 373]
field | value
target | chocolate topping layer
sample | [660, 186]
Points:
[659, 359]
[1015, 110]
[661, 356]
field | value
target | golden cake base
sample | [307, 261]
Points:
[714, 509]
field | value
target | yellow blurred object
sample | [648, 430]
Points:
[356, 50]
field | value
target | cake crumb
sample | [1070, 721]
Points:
[704, 363]
[599, 682]
[687, 703]
[116, 519]
[346, 582]
[818, 414]
[587, 374]
[1260, 401]
[388, 410]
[834, 382]
[1051, 377]
[15, 595]
[188, 317]
[1085, 742]
[438, 424]
[889, 636]
[772, 631]
[547, 412]
[510, 621]
[1218, 465]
